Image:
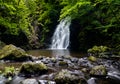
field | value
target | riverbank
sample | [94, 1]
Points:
[62, 69]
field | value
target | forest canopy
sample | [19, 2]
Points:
[97, 21]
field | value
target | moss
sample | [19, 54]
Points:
[98, 71]
[63, 63]
[96, 50]
[66, 77]
[92, 58]
[31, 68]
[11, 52]
[9, 72]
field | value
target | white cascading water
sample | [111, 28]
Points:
[61, 37]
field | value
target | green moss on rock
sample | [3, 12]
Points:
[98, 71]
[9, 72]
[66, 77]
[96, 50]
[29, 69]
[92, 58]
[63, 63]
[11, 52]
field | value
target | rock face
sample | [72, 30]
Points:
[66, 77]
[11, 52]
[99, 70]
[33, 69]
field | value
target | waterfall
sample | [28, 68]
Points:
[60, 39]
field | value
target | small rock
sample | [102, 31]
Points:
[75, 60]
[92, 58]
[29, 81]
[63, 63]
[46, 82]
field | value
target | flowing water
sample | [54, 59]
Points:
[60, 39]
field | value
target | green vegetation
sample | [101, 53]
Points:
[9, 72]
[97, 21]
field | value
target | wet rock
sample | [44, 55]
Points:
[67, 77]
[11, 52]
[63, 63]
[33, 69]
[74, 60]
[17, 80]
[46, 82]
[85, 70]
[29, 81]
[2, 80]
[98, 71]
[108, 55]
[66, 57]
[53, 60]
[83, 62]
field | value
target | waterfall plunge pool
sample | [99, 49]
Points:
[56, 52]
[76, 64]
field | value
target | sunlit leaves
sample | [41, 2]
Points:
[75, 10]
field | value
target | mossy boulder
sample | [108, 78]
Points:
[98, 71]
[96, 50]
[33, 69]
[11, 52]
[66, 77]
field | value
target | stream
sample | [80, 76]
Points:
[76, 64]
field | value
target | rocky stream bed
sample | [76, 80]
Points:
[17, 67]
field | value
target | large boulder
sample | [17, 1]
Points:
[67, 77]
[98, 71]
[33, 69]
[11, 52]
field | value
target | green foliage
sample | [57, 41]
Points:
[9, 72]
[14, 16]
[98, 17]
[75, 9]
